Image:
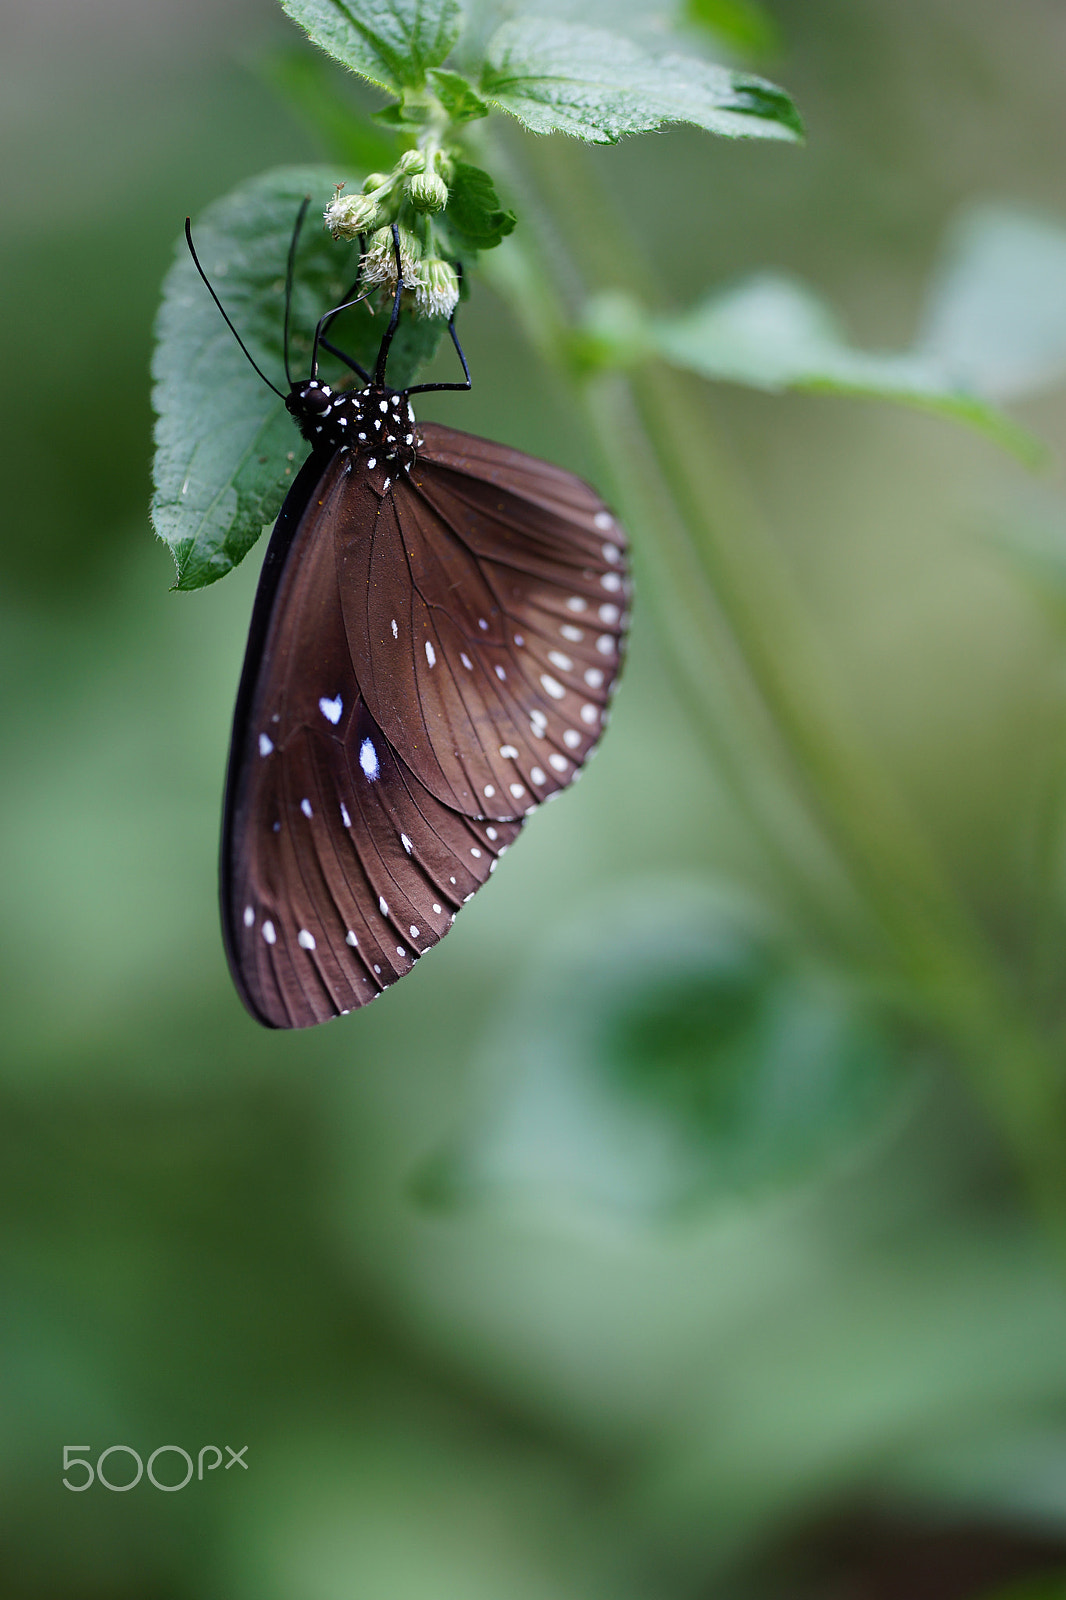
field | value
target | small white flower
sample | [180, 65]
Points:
[379, 263]
[349, 215]
[436, 289]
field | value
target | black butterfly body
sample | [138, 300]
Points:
[436, 636]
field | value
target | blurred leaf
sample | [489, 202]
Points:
[457, 97]
[996, 320]
[226, 448]
[742, 24]
[560, 77]
[667, 1051]
[474, 215]
[391, 42]
[772, 333]
[309, 85]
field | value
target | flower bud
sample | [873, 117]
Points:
[349, 215]
[412, 161]
[428, 192]
[376, 180]
[436, 289]
[379, 262]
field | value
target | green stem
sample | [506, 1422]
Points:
[741, 639]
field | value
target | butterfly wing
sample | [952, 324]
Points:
[506, 631]
[339, 867]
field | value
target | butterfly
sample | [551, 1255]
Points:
[437, 632]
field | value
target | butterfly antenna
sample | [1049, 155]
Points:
[222, 309]
[290, 275]
[387, 336]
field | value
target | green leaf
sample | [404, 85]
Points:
[226, 448]
[474, 217]
[560, 77]
[772, 333]
[457, 97]
[997, 311]
[741, 24]
[391, 42]
[309, 85]
[670, 1048]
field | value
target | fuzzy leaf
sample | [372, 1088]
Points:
[457, 97]
[561, 77]
[391, 42]
[226, 448]
[474, 216]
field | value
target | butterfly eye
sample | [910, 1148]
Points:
[312, 398]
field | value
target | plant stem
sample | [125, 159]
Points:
[741, 639]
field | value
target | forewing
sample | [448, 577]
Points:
[507, 629]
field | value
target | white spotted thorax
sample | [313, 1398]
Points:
[376, 426]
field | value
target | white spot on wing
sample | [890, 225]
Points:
[345, 818]
[501, 674]
[611, 553]
[605, 644]
[508, 752]
[305, 807]
[517, 790]
[557, 761]
[603, 520]
[368, 759]
[568, 631]
[571, 738]
[552, 686]
[489, 791]
[395, 629]
[331, 709]
[557, 659]
[609, 614]
[575, 603]
[265, 745]
[249, 916]
[594, 677]
[405, 841]
[383, 905]
[269, 934]
[590, 714]
[349, 938]
[537, 776]
[305, 940]
[431, 654]
[465, 659]
[611, 582]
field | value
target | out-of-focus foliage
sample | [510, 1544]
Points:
[214, 1234]
[667, 1048]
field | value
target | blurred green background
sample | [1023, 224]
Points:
[631, 1247]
